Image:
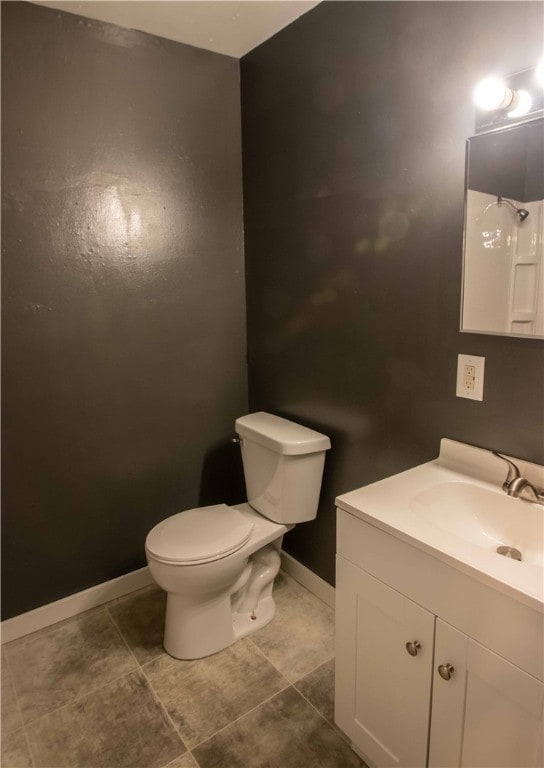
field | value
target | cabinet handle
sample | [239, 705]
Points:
[413, 647]
[446, 671]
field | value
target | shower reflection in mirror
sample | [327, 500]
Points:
[503, 271]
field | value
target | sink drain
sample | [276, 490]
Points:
[511, 552]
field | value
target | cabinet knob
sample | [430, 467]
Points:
[413, 647]
[446, 671]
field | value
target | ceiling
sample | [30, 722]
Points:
[224, 26]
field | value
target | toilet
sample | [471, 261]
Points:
[217, 564]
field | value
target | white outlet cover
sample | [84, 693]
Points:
[477, 393]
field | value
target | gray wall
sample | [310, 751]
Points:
[354, 126]
[123, 282]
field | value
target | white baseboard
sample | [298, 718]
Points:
[45, 615]
[313, 583]
[49, 614]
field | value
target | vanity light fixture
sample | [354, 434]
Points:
[513, 98]
[523, 102]
[493, 93]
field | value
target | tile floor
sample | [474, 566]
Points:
[98, 691]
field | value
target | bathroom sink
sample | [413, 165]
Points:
[455, 509]
[484, 518]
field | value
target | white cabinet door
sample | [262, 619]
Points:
[382, 691]
[488, 714]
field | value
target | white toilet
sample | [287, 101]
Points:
[218, 563]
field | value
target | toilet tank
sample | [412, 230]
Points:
[283, 466]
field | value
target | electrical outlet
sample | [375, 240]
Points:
[470, 377]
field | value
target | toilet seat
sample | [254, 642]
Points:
[199, 535]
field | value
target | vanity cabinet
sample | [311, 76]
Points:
[384, 660]
[424, 660]
[488, 713]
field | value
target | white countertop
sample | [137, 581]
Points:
[388, 505]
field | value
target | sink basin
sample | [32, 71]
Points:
[454, 509]
[484, 518]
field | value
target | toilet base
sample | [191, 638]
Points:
[195, 628]
[245, 623]
[199, 632]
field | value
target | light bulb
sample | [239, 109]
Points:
[522, 104]
[492, 93]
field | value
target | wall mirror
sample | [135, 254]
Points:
[503, 270]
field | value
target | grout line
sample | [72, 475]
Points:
[167, 658]
[166, 714]
[322, 716]
[228, 725]
[160, 655]
[82, 696]
[125, 641]
[90, 690]
[346, 738]
[332, 724]
[311, 671]
[12, 683]
[195, 761]
[283, 674]
[287, 685]
[294, 684]
[263, 654]
[153, 692]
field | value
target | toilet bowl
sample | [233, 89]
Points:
[213, 602]
[218, 563]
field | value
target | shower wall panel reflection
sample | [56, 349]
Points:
[503, 288]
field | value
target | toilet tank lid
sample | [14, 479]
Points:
[281, 435]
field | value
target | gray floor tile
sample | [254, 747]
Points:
[318, 688]
[284, 732]
[118, 726]
[15, 752]
[301, 635]
[11, 716]
[86, 705]
[185, 761]
[140, 617]
[205, 695]
[52, 667]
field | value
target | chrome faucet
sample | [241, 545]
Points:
[515, 483]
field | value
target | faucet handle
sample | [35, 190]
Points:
[513, 471]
